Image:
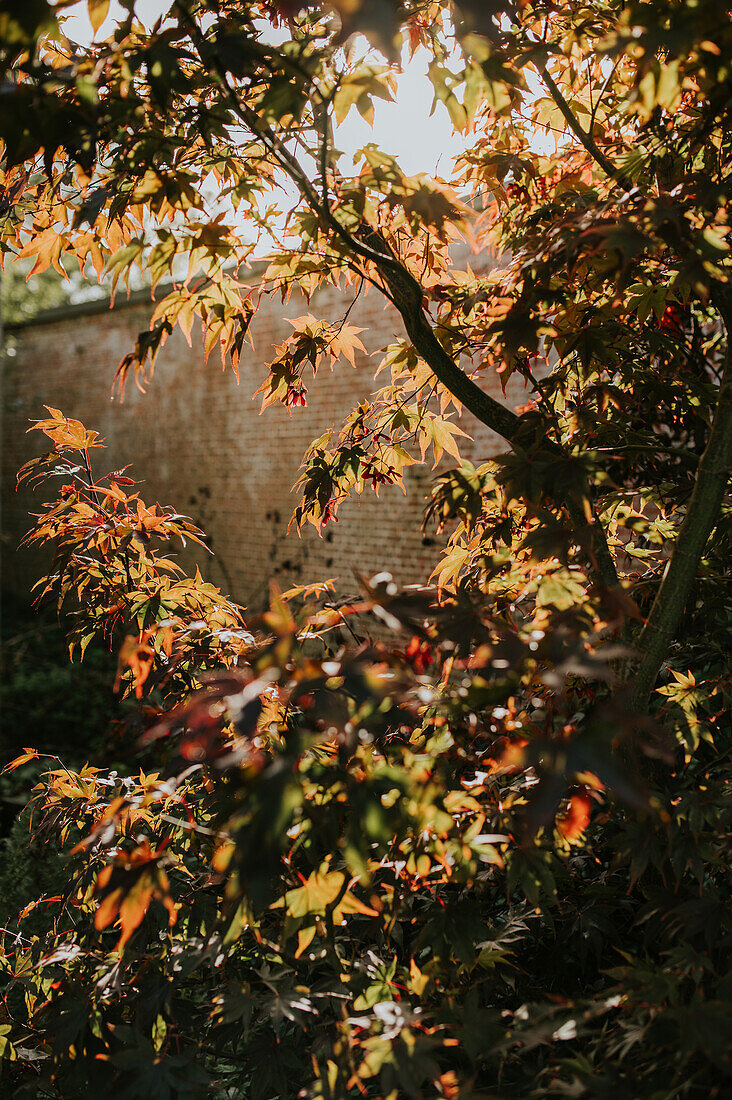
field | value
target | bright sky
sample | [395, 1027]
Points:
[405, 129]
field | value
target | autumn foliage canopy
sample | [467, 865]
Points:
[464, 839]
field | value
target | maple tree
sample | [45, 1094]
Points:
[482, 850]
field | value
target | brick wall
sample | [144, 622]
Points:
[200, 444]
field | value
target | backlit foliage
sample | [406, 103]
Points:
[463, 839]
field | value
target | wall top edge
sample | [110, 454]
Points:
[94, 306]
[86, 309]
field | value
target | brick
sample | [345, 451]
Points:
[197, 440]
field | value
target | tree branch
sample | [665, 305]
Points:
[701, 516]
[407, 295]
[585, 138]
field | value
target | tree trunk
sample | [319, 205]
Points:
[701, 516]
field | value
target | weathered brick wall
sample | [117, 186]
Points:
[198, 441]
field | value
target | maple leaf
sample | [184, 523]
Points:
[442, 435]
[126, 888]
[346, 343]
[317, 892]
[136, 655]
[26, 755]
[358, 89]
[574, 821]
[451, 564]
[98, 11]
[67, 434]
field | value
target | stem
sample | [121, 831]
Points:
[701, 516]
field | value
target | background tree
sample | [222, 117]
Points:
[23, 299]
[404, 868]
